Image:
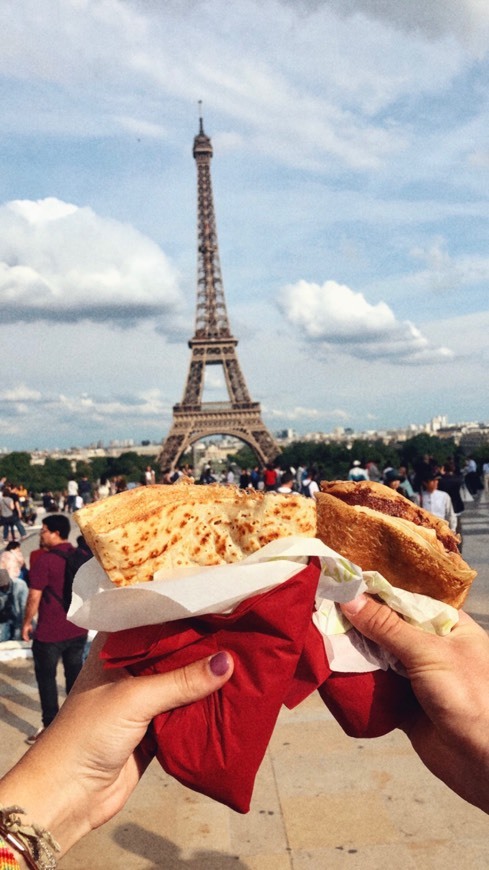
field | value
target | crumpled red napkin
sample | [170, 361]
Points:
[216, 745]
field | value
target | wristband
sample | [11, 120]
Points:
[36, 845]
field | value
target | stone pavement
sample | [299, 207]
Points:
[321, 799]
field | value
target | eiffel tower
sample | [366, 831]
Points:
[213, 344]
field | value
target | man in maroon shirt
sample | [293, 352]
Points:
[54, 636]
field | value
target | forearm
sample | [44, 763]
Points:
[39, 786]
[31, 609]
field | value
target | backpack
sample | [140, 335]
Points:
[73, 560]
[6, 598]
[305, 490]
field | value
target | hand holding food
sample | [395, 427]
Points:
[450, 678]
[85, 765]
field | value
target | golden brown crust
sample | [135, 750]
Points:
[135, 533]
[388, 501]
[409, 556]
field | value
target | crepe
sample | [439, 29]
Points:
[135, 533]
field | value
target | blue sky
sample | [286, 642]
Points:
[350, 175]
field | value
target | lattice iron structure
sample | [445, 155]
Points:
[213, 344]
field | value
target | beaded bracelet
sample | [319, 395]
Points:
[36, 845]
[8, 861]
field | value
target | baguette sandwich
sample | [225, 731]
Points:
[381, 530]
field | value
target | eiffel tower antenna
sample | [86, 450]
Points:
[213, 345]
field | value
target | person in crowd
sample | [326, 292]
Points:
[166, 477]
[357, 472]
[256, 477]
[72, 494]
[6, 607]
[13, 561]
[405, 485]
[49, 502]
[103, 489]
[392, 479]
[120, 484]
[309, 485]
[19, 492]
[472, 479]
[451, 481]
[207, 475]
[270, 477]
[245, 479]
[29, 512]
[10, 514]
[54, 636]
[373, 470]
[85, 490]
[436, 501]
[426, 464]
[287, 483]
[485, 476]
[149, 476]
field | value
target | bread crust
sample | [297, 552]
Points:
[409, 556]
[389, 501]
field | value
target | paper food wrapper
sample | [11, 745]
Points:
[191, 592]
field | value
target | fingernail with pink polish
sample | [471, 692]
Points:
[219, 664]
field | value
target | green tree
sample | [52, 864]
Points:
[16, 467]
[427, 445]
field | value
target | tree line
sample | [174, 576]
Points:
[332, 461]
[54, 475]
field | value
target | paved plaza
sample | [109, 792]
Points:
[321, 799]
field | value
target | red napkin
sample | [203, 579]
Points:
[368, 705]
[216, 745]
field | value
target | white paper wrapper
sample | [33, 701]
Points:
[99, 605]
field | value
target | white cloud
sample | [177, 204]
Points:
[335, 318]
[20, 393]
[343, 109]
[64, 263]
[299, 414]
[76, 419]
[465, 20]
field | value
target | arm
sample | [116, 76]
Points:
[31, 610]
[82, 770]
[450, 515]
[450, 677]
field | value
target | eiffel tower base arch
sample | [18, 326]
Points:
[191, 426]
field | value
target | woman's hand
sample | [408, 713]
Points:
[83, 768]
[450, 677]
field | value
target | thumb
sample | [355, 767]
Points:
[383, 625]
[159, 693]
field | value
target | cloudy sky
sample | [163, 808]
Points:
[350, 176]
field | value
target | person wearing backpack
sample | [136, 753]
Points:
[54, 636]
